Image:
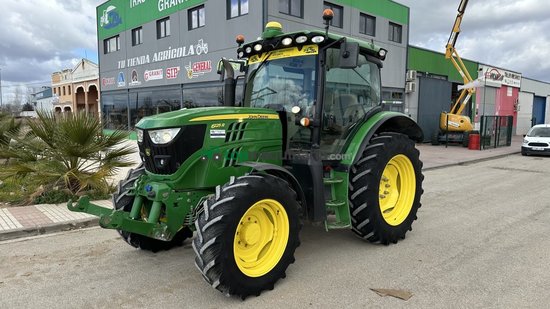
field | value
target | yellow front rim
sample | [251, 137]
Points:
[261, 238]
[397, 190]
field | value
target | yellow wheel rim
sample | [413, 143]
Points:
[261, 238]
[397, 190]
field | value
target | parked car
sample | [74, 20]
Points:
[537, 140]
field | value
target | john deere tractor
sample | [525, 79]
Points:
[308, 141]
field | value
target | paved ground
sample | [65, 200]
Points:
[480, 241]
[34, 220]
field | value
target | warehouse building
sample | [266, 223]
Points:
[157, 56]
[432, 85]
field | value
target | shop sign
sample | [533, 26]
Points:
[121, 81]
[199, 68]
[135, 79]
[169, 54]
[172, 73]
[501, 77]
[110, 18]
[153, 75]
[107, 81]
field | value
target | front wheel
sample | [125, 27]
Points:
[247, 235]
[123, 200]
[385, 189]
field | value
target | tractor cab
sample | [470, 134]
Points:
[321, 85]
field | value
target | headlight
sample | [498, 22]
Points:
[139, 133]
[301, 39]
[525, 141]
[163, 136]
[286, 41]
[318, 39]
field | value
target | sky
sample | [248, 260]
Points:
[41, 37]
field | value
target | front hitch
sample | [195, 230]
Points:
[120, 220]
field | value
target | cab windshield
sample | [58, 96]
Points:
[282, 84]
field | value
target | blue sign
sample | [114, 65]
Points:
[121, 82]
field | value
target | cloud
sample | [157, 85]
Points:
[41, 37]
[504, 33]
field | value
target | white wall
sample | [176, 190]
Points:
[525, 112]
[45, 104]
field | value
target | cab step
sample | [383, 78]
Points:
[335, 203]
[336, 225]
[332, 181]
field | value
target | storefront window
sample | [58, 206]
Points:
[203, 96]
[115, 111]
[151, 102]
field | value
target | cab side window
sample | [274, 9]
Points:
[349, 94]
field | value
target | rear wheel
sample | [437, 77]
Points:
[123, 199]
[247, 235]
[385, 189]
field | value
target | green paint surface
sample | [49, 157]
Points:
[435, 63]
[116, 16]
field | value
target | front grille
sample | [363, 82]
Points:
[538, 144]
[166, 159]
[232, 157]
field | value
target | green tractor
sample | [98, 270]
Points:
[308, 141]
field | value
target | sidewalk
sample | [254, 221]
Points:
[17, 222]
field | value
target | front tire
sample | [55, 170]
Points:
[123, 200]
[247, 235]
[385, 189]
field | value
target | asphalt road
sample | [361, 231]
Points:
[482, 240]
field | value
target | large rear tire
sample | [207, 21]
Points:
[247, 235]
[123, 200]
[385, 189]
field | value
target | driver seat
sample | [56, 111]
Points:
[347, 109]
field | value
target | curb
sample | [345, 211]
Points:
[50, 228]
[471, 161]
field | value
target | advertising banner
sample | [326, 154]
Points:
[500, 77]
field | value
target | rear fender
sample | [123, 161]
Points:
[376, 124]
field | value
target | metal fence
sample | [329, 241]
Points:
[496, 131]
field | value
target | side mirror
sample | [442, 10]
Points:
[349, 55]
[229, 67]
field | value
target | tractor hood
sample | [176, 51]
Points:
[204, 114]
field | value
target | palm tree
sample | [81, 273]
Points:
[8, 125]
[67, 150]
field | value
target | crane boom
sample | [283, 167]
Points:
[459, 122]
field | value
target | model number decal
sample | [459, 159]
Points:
[217, 133]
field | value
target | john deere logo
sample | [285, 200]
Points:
[148, 152]
[110, 18]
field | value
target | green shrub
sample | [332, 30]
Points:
[66, 151]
